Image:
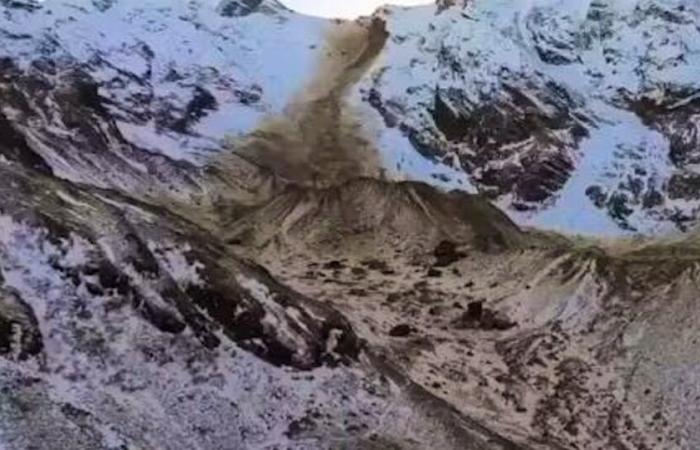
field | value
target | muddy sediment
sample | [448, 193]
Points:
[318, 140]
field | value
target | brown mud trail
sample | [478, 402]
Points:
[318, 142]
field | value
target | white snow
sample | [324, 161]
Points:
[603, 163]
[403, 163]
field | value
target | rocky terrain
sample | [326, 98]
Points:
[469, 225]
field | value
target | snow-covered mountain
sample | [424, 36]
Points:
[225, 225]
[574, 116]
[151, 88]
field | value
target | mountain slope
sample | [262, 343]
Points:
[365, 215]
[554, 109]
[151, 89]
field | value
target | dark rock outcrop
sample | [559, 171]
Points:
[446, 253]
[237, 8]
[20, 336]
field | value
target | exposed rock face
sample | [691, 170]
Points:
[57, 106]
[674, 112]
[15, 148]
[20, 337]
[233, 8]
[526, 146]
[444, 4]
